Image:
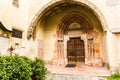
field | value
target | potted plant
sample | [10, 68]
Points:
[38, 69]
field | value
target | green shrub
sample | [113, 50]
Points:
[15, 68]
[39, 70]
[114, 77]
[21, 68]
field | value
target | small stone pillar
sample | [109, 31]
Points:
[93, 49]
[58, 57]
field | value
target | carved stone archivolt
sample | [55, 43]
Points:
[75, 17]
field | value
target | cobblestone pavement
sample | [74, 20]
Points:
[76, 73]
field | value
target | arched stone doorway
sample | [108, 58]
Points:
[76, 32]
[72, 13]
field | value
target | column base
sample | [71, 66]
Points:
[96, 62]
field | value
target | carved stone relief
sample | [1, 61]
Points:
[93, 49]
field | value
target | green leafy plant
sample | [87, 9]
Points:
[115, 76]
[21, 68]
[39, 70]
[15, 68]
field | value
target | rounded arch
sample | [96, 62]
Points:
[54, 3]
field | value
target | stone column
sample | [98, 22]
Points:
[66, 38]
[84, 37]
[111, 51]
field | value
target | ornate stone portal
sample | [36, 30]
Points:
[89, 50]
[76, 28]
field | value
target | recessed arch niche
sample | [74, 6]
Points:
[75, 25]
[74, 17]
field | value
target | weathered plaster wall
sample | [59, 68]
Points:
[35, 47]
[13, 16]
[110, 9]
[118, 47]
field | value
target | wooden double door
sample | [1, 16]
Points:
[75, 50]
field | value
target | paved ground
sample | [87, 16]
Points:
[76, 73]
[83, 70]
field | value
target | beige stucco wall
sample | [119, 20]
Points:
[13, 16]
[118, 47]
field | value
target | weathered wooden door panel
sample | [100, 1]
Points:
[75, 50]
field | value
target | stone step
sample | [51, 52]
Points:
[72, 77]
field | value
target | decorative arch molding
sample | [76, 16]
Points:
[77, 17]
[54, 3]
